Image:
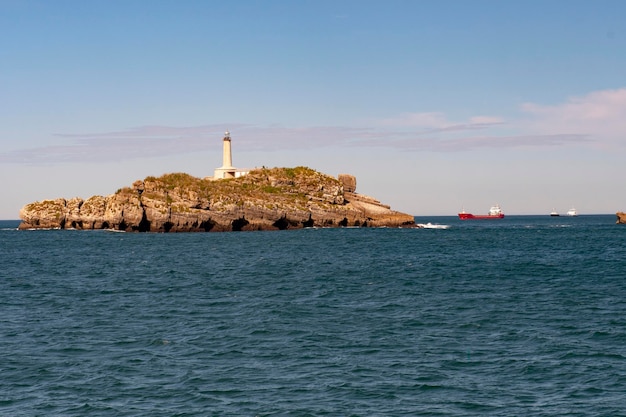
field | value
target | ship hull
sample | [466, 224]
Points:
[469, 216]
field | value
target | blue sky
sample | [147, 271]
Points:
[433, 105]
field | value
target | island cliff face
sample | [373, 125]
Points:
[621, 217]
[265, 199]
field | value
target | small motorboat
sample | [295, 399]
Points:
[429, 225]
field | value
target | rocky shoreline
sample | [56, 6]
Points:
[265, 199]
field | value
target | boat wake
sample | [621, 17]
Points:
[432, 226]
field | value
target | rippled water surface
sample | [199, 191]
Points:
[523, 316]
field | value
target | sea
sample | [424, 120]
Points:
[524, 316]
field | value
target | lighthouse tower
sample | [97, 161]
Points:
[226, 170]
[227, 157]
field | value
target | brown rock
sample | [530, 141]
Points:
[47, 214]
[349, 182]
[265, 199]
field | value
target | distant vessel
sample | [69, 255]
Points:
[572, 212]
[495, 212]
[429, 225]
[554, 213]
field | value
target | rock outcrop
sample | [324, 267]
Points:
[621, 217]
[265, 199]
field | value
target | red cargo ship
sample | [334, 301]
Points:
[495, 212]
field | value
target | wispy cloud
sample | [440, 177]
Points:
[599, 117]
[161, 141]
[437, 121]
[428, 120]
[140, 142]
[469, 143]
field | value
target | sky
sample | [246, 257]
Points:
[434, 106]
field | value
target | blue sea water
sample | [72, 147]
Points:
[521, 316]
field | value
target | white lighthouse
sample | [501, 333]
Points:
[228, 154]
[227, 170]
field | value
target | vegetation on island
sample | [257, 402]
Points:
[272, 187]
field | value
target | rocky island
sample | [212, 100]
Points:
[621, 217]
[263, 199]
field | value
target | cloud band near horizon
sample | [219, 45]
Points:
[599, 118]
